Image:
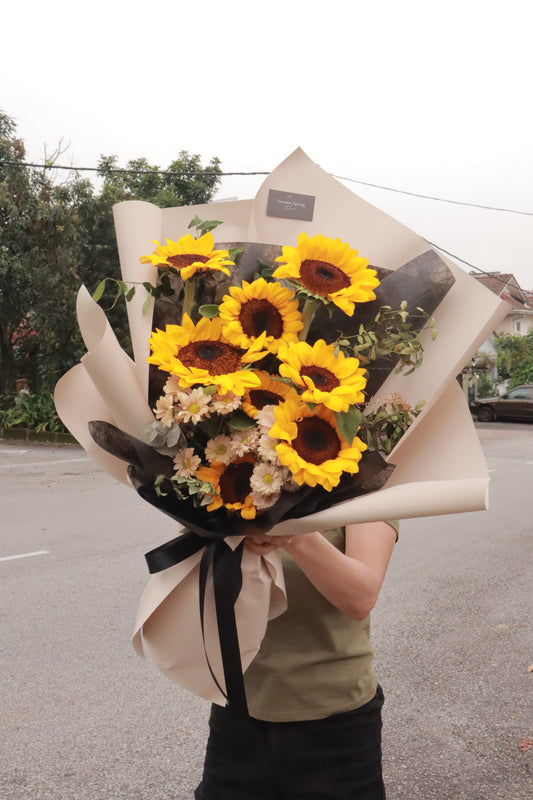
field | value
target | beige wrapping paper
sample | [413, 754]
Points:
[168, 630]
[440, 467]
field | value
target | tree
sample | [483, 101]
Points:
[56, 236]
[514, 358]
[17, 208]
[185, 182]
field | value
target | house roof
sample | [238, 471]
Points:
[505, 285]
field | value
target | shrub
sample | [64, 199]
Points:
[484, 386]
[34, 411]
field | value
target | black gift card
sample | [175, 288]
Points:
[290, 206]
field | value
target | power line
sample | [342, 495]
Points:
[472, 266]
[438, 199]
[207, 173]
[338, 177]
[118, 171]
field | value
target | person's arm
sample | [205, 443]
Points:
[351, 581]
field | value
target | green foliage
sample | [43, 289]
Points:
[33, 411]
[55, 237]
[484, 386]
[514, 358]
[382, 429]
[185, 182]
[390, 335]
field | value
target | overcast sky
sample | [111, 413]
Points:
[429, 97]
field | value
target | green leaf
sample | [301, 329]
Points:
[98, 292]
[233, 252]
[130, 294]
[209, 311]
[240, 422]
[348, 423]
[146, 305]
[209, 225]
[195, 222]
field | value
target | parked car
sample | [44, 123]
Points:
[516, 404]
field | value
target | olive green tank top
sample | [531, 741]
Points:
[314, 660]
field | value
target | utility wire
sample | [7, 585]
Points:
[472, 266]
[438, 199]
[118, 171]
[207, 173]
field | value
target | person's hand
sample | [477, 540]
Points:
[263, 544]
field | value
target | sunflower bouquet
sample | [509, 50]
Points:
[276, 384]
[253, 407]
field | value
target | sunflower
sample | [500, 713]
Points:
[231, 485]
[199, 354]
[329, 269]
[269, 392]
[312, 447]
[259, 307]
[190, 255]
[333, 380]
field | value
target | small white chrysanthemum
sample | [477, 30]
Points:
[265, 418]
[263, 501]
[225, 403]
[164, 410]
[219, 449]
[186, 463]
[266, 478]
[245, 441]
[192, 406]
[266, 448]
[172, 385]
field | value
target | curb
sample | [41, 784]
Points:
[27, 435]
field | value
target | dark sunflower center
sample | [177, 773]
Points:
[316, 441]
[181, 260]
[235, 482]
[257, 316]
[323, 379]
[322, 278]
[218, 358]
[262, 397]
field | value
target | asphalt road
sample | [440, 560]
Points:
[83, 718]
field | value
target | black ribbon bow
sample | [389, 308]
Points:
[225, 565]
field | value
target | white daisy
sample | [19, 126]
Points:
[172, 385]
[245, 441]
[219, 449]
[266, 448]
[192, 406]
[225, 403]
[263, 501]
[186, 463]
[265, 417]
[266, 479]
[164, 410]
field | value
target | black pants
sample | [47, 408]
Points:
[336, 758]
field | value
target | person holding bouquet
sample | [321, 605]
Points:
[314, 731]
